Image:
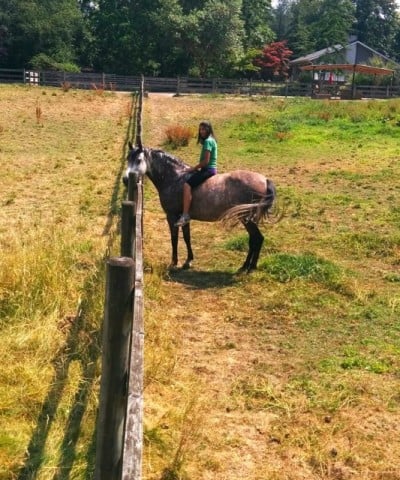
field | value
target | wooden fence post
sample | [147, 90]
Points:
[133, 433]
[128, 227]
[115, 359]
[132, 186]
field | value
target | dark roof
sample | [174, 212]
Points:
[306, 59]
[311, 57]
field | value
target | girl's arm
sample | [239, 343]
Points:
[204, 162]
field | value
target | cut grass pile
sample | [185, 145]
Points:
[286, 374]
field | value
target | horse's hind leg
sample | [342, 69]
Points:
[187, 239]
[256, 240]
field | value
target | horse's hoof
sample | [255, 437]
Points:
[242, 270]
[172, 267]
[187, 265]
[245, 270]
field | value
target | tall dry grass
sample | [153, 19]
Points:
[58, 222]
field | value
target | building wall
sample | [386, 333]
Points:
[351, 54]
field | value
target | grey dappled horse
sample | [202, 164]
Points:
[240, 197]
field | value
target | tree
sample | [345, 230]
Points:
[136, 37]
[170, 54]
[190, 5]
[376, 23]
[302, 15]
[335, 19]
[274, 60]
[121, 43]
[395, 48]
[317, 24]
[212, 37]
[246, 65]
[257, 19]
[280, 23]
[49, 27]
[6, 9]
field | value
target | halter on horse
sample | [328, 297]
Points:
[239, 197]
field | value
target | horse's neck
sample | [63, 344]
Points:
[163, 168]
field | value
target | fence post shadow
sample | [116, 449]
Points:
[87, 356]
[75, 417]
[118, 180]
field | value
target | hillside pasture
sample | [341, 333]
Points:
[289, 373]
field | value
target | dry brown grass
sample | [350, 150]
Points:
[178, 136]
[59, 188]
[240, 375]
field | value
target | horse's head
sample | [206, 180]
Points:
[136, 162]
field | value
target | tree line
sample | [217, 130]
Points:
[207, 38]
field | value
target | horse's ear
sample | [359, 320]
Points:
[130, 145]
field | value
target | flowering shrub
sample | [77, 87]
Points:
[274, 60]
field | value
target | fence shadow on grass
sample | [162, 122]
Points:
[130, 133]
[82, 345]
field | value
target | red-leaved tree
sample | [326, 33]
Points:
[274, 60]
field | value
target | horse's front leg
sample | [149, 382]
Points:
[174, 231]
[186, 237]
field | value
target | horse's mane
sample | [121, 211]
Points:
[170, 159]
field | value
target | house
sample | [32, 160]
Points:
[355, 52]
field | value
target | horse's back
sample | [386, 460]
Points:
[226, 190]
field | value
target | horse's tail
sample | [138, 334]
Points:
[266, 209]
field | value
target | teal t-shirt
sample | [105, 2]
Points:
[210, 145]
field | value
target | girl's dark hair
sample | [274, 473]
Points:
[207, 125]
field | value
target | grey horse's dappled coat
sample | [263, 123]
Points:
[239, 196]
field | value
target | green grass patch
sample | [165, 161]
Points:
[239, 243]
[285, 267]
[368, 244]
[305, 122]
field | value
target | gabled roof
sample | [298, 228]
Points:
[375, 52]
[314, 56]
[307, 59]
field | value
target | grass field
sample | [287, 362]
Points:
[60, 183]
[286, 374]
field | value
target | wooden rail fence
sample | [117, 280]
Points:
[120, 419]
[182, 85]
